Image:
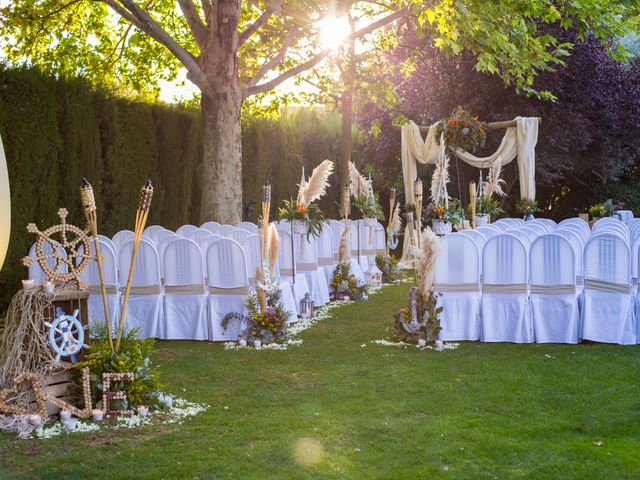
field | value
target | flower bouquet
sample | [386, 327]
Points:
[345, 284]
[305, 216]
[366, 200]
[527, 208]
[388, 265]
[462, 130]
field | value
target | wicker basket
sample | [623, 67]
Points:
[441, 227]
[482, 219]
[300, 227]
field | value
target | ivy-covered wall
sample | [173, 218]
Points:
[57, 131]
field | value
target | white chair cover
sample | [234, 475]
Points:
[122, 237]
[166, 240]
[158, 235]
[299, 285]
[550, 224]
[505, 305]
[585, 235]
[186, 229]
[248, 226]
[185, 298]
[151, 229]
[608, 314]
[381, 238]
[91, 275]
[457, 283]
[144, 310]
[306, 255]
[617, 228]
[224, 230]
[541, 227]
[337, 228]
[239, 234]
[228, 282]
[35, 272]
[526, 234]
[577, 245]
[576, 222]
[211, 226]
[503, 224]
[251, 246]
[488, 231]
[625, 215]
[325, 254]
[554, 297]
[198, 235]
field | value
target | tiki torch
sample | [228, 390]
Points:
[410, 225]
[146, 194]
[392, 205]
[266, 207]
[473, 198]
[89, 204]
[417, 192]
[346, 202]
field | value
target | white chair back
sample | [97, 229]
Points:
[147, 267]
[199, 235]
[458, 260]
[607, 257]
[337, 228]
[182, 260]
[91, 275]
[251, 246]
[184, 230]
[211, 226]
[552, 261]
[477, 237]
[248, 226]
[226, 265]
[122, 237]
[239, 234]
[325, 247]
[504, 260]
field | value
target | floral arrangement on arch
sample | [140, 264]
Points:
[462, 130]
[303, 209]
[420, 318]
[605, 209]
[267, 317]
[365, 199]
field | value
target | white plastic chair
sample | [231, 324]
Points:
[228, 284]
[554, 295]
[185, 296]
[144, 310]
[185, 230]
[457, 283]
[505, 304]
[608, 314]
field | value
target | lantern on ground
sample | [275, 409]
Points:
[306, 306]
[376, 277]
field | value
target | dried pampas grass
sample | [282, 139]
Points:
[494, 183]
[440, 177]
[359, 184]
[344, 253]
[273, 248]
[396, 222]
[425, 260]
[260, 293]
[317, 185]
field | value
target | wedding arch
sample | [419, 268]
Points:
[519, 142]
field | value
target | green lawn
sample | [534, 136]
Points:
[481, 411]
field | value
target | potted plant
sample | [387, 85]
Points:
[369, 206]
[444, 217]
[305, 217]
[486, 208]
[527, 208]
[597, 211]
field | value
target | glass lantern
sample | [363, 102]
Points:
[306, 306]
[376, 278]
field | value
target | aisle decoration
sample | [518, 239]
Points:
[605, 209]
[346, 286]
[142, 213]
[419, 321]
[304, 215]
[365, 199]
[386, 262]
[527, 208]
[389, 266]
[486, 207]
[462, 130]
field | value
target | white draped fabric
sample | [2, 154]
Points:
[519, 141]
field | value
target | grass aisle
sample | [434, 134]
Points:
[334, 409]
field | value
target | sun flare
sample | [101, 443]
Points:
[333, 31]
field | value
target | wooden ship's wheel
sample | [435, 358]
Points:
[65, 250]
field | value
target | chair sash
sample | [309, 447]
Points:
[195, 289]
[97, 290]
[504, 288]
[288, 272]
[367, 252]
[553, 289]
[144, 290]
[456, 287]
[307, 266]
[604, 286]
[244, 290]
[325, 261]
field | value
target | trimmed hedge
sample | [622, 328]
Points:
[56, 131]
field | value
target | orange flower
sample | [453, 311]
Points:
[301, 209]
[440, 209]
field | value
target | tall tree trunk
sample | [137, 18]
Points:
[222, 157]
[346, 100]
[221, 104]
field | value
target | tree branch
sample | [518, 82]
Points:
[196, 26]
[276, 60]
[313, 61]
[131, 11]
[206, 8]
[261, 20]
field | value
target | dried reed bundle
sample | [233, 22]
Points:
[359, 184]
[494, 183]
[426, 261]
[473, 198]
[395, 224]
[273, 248]
[317, 185]
[260, 293]
[440, 178]
[344, 253]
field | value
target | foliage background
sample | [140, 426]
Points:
[56, 131]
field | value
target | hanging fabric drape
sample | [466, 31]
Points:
[518, 142]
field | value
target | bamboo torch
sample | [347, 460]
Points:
[146, 194]
[345, 206]
[473, 198]
[266, 207]
[411, 235]
[392, 206]
[89, 204]
[417, 191]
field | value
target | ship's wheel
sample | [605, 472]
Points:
[66, 335]
[71, 248]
